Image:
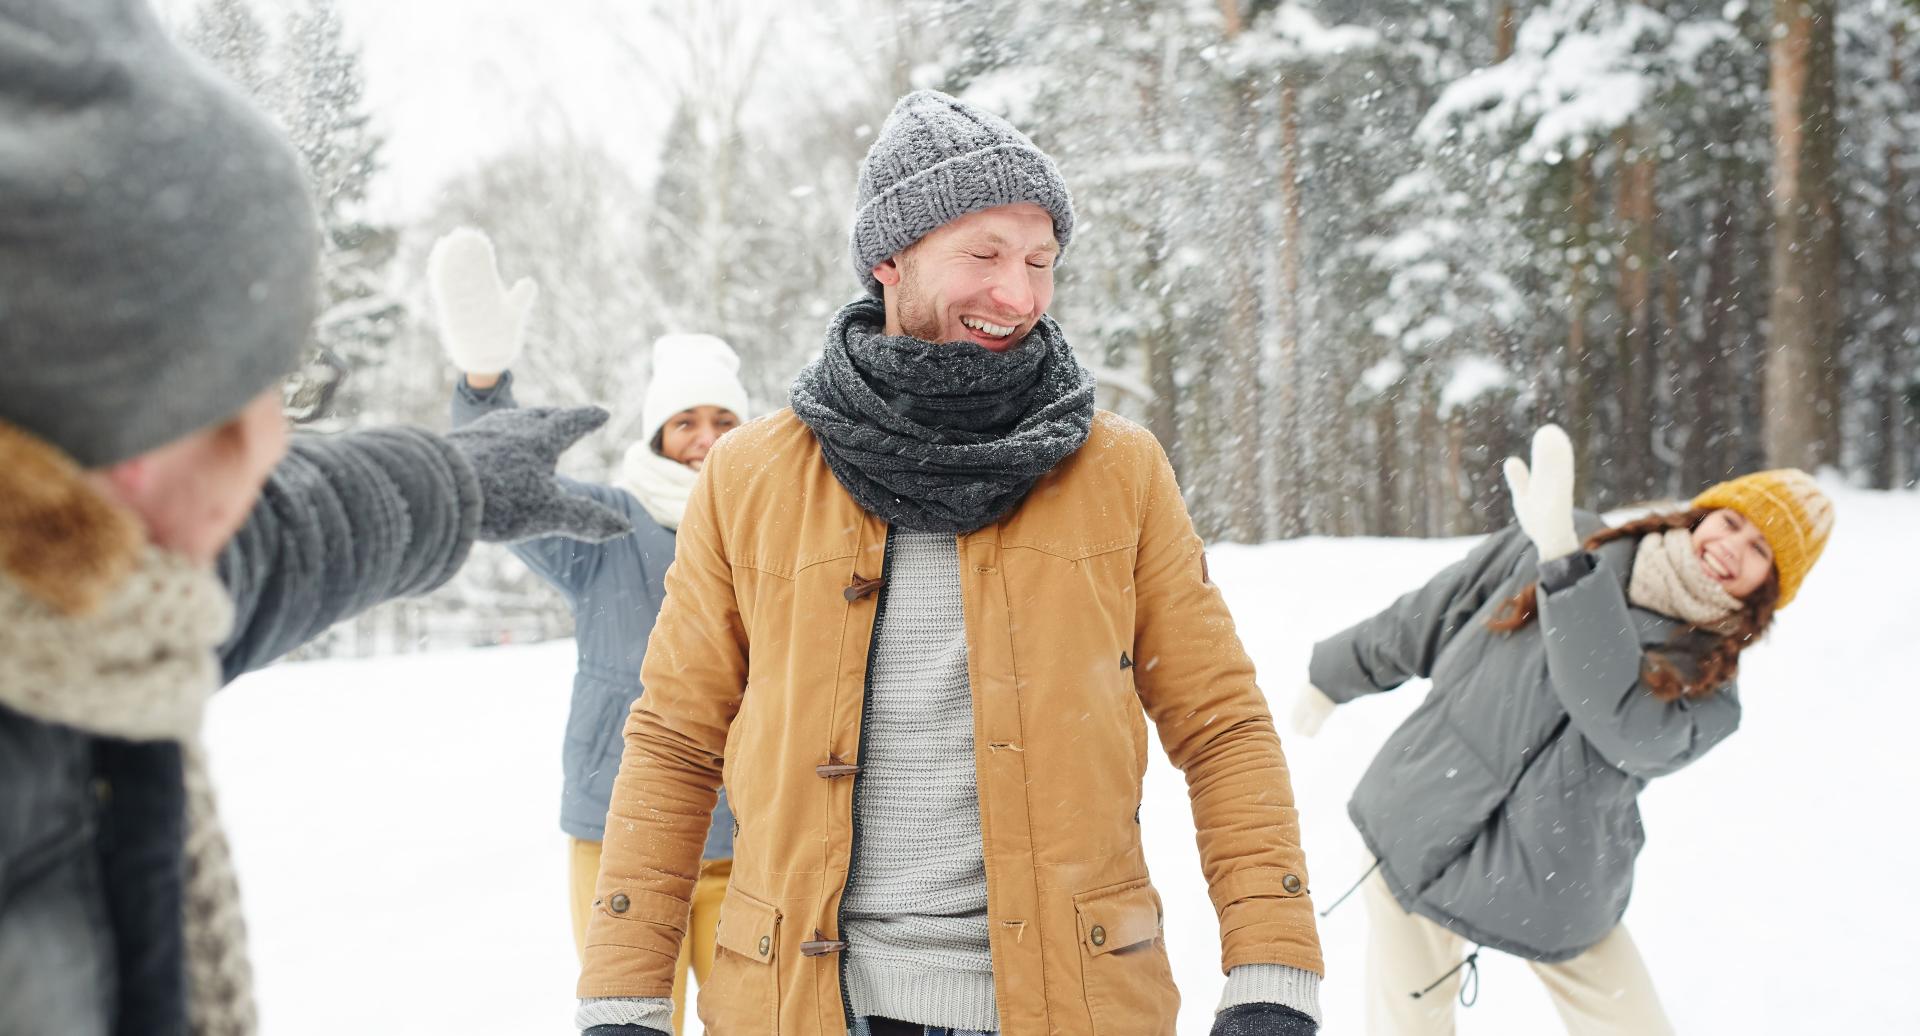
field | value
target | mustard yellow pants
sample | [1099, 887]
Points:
[1605, 991]
[696, 953]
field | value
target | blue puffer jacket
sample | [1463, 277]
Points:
[615, 589]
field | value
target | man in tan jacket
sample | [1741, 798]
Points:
[914, 623]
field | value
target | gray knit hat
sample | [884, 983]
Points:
[158, 249]
[937, 159]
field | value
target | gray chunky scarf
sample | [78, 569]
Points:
[945, 437]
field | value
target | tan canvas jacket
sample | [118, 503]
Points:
[1088, 613]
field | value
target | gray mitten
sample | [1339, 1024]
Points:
[513, 453]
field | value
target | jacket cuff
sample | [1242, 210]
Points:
[1558, 574]
[1334, 667]
[500, 392]
[1272, 984]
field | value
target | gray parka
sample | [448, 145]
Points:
[1504, 808]
[615, 589]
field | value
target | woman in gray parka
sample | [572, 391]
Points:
[1571, 664]
[614, 588]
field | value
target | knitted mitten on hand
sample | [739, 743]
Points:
[513, 453]
[1543, 495]
[482, 322]
[1263, 1020]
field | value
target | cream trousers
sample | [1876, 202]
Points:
[1605, 991]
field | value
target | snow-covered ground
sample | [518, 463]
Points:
[395, 819]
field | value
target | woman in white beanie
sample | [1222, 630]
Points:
[615, 588]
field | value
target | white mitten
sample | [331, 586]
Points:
[1311, 707]
[1543, 496]
[482, 323]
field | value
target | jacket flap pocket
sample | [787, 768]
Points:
[748, 927]
[1115, 919]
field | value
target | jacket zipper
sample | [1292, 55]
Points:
[860, 755]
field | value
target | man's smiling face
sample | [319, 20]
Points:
[984, 278]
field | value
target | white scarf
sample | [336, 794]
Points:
[1667, 578]
[662, 486]
[141, 667]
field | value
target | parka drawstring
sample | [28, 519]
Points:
[1469, 986]
[1351, 891]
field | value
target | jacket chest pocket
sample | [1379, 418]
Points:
[742, 993]
[1127, 980]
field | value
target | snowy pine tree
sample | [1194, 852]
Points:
[319, 95]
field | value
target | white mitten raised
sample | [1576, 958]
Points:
[1311, 707]
[1543, 495]
[482, 323]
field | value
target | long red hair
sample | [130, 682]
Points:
[1721, 661]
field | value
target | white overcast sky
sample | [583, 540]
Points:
[451, 82]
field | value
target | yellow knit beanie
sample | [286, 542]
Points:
[1792, 512]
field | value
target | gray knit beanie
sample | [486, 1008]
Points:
[937, 159]
[158, 249]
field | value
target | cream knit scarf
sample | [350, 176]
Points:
[1667, 578]
[141, 667]
[662, 486]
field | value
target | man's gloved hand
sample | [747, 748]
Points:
[1263, 1020]
[622, 1030]
[1543, 495]
[482, 321]
[1311, 707]
[513, 453]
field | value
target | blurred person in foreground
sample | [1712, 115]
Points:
[158, 278]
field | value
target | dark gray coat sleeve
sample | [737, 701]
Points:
[345, 522]
[568, 565]
[1402, 642]
[1595, 662]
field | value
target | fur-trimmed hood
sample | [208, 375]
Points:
[61, 542]
[102, 633]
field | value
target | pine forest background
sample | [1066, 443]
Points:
[1339, 258]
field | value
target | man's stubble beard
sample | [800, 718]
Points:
[913, 321]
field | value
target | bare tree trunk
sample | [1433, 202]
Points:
[1239, 469]
[1710, 460]
[1306, 479]
[1426, 483]
[1578, 416]
[1505, 26]
[1386, 445]
[1634, 384]
[1802, 415]
[1896, 455]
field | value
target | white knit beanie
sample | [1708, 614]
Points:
[691, 371]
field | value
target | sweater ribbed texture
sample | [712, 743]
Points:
[1272, 984]
[916, 913]
[654, 1012]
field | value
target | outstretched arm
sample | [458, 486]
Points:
[344, 523]
[348, 521]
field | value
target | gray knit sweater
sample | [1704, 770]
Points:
[916, 908]
[916, 911]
